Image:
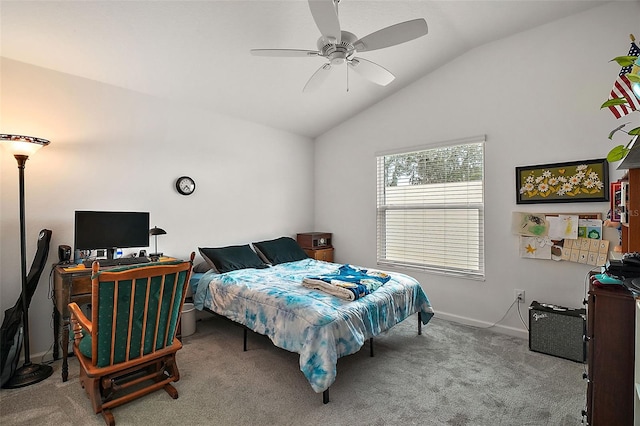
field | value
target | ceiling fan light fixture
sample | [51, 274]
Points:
[371, 71]
[337, 54]
[317, 78]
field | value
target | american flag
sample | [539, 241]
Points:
[622, 89]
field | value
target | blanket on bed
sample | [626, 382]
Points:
[318, 326]
[347, 282]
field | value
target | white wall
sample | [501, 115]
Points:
[536, 96]
[113, 149]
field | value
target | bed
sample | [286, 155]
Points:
[270, 299]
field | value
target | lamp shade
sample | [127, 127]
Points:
[22, 145]
[157, 231]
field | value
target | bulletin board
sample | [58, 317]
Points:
[572, 237]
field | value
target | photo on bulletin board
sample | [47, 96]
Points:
[576, 181]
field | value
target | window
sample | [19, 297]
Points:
[430, 209]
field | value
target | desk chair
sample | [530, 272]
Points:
[128, 348]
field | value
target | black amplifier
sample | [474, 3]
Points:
[558, 331]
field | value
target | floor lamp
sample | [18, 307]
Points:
[22, 147]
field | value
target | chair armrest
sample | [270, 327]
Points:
[79, 322]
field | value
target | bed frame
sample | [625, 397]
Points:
[325, 393]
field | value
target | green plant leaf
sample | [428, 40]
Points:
[613, 102]
[617, 153]
[634, 78]
[635, 131]
[625, 61]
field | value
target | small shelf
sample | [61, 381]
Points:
[630, 232]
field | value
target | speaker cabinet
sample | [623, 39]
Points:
[558, 331]
[64, 253]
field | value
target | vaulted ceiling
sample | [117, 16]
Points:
[197, 52]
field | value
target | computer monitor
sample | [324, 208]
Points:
[110, 230]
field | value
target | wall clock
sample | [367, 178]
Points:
[185, 185]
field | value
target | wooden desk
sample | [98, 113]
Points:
[69, 285]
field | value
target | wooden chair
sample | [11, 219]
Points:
[128, 348]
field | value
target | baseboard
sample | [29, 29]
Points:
[511, 331]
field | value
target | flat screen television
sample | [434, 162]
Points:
[110, 230]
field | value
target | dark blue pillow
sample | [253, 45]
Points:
[280, 250]
[231, 258]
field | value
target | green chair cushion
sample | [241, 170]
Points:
[128, 291]
[85, 344]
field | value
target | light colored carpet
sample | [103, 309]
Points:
[451, 375]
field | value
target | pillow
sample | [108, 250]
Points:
[231, 258]
[202, 267]
[280, 250]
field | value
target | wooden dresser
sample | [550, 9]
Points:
[611, 333]
[636, 419]
[613, 327]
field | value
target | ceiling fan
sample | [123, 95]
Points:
[339, 47]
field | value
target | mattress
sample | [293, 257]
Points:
[317, 325]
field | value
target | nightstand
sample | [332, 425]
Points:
[317, 245]
[325, 254]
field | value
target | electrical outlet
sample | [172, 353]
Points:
[519, 295]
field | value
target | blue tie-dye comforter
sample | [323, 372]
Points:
[318, 326]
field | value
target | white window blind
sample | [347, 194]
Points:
[430, 209]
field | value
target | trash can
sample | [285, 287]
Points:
[188, 320]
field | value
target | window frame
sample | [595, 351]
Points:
[382, 209]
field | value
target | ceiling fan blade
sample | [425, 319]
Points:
[317, 78]
[393, 35]
[284, 52]
[372, 71]
[325, 14]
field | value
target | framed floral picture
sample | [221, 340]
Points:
[576, 181]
